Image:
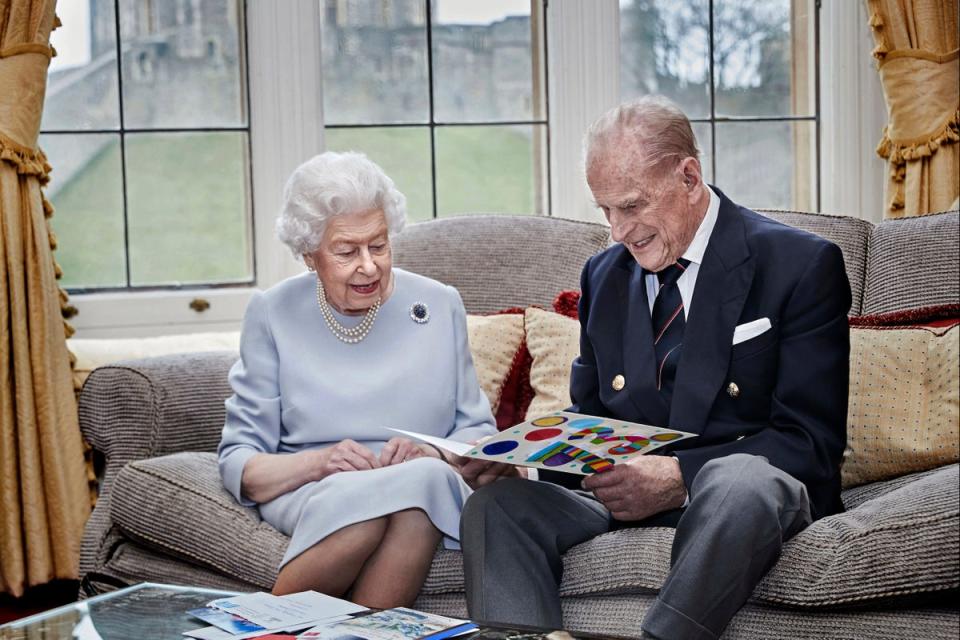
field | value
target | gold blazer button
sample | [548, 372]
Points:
[618, 382]
[733, 390]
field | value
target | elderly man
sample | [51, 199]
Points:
[706, 317]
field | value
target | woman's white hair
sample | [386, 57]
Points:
[654, 123]
[335, 184]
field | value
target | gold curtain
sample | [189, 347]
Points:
[917, 53]
[44, 501]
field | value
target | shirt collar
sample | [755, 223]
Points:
[698, 246]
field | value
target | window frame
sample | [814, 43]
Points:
[285, 120]
[539, 119]
[286, 128]
[121, 133]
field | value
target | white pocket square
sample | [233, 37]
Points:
[750, 330]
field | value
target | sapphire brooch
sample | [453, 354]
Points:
[419, 313]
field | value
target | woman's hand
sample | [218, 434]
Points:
[399, 450]
[346, 455]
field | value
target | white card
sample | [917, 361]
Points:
[452, 446]
[276, 612]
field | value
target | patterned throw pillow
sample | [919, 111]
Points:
[554, 342]
[904, 413]
[495, 341]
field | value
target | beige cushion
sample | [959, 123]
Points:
[904, 412]
[94, 352]
[494, 342]
[554, 342]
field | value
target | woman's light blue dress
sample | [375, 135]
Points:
[296, 386]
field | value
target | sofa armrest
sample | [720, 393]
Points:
[138, 409]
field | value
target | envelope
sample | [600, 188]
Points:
[750, 330]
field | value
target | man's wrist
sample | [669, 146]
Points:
[683, 487]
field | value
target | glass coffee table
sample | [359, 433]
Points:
[146, 610]
[158, 612]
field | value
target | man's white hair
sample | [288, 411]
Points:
[335, 184]
[653, 123]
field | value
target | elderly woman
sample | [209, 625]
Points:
[329, 360]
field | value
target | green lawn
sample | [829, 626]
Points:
[186, 213]
[479, 169]
[186, 196]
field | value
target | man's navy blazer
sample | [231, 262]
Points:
[792, 379]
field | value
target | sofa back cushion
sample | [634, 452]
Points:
[494, 342]
[554, 343]
[498, 262]
[904, 413]
[850, 234]
[913, 262]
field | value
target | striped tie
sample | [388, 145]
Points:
[668, 323]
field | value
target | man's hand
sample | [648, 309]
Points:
[399, 450]
[346, 455]
[477, 472]
[646, 486]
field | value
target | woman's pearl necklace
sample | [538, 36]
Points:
[349, 335]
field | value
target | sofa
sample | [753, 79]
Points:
[889, 567]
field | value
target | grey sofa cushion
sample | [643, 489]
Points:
[177, 505]
[133, 562]
[190, 515]
[620, 615]
[501, 261]
[850, 234]
[833, 562]
[913, 262]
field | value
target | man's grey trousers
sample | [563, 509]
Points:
[741, 511]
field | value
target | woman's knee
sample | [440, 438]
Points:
[411, 520]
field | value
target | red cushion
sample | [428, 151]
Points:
[941, 315]
[566, 304]
[517, 393]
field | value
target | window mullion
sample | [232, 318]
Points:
[123, 146]
[431, 115]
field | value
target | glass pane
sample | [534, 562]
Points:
[496, 169]
[483, 62]
[768, 164]
[82, 83]
[182, 63]
[763, 57]
[86, 189]
[403, 153]
[702, 132]
[375, 62]
[665, 49]
[187, 208]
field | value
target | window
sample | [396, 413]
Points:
[145, 124]
[448, 96]
[454, 107]
[744, 71]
